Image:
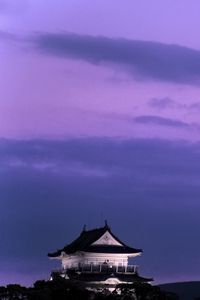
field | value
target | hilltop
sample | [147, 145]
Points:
[185, 290]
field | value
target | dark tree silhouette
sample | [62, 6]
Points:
[62, 289]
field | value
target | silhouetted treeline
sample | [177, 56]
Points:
[61, 289]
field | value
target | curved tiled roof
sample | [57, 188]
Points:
[87, 238]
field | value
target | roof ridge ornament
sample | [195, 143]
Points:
[106, 224]
[84, 228]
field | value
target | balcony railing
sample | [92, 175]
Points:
[103, 268]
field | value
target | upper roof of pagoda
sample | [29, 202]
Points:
[100, 240]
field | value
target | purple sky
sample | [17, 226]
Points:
[99, 118]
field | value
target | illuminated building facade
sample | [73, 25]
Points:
[98, 258]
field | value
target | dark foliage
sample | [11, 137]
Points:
[62, 289]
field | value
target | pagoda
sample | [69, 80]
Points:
[98, 259]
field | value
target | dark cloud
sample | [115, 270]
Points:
[4, 35]
[140, 59]
[157, 120]
[147, 189]
[162, 103]
[194, 106]
[168, 103]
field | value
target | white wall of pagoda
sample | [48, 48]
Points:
[86, 258]
[109, 258]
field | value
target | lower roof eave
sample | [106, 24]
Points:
[54, 256]
[104, 252]
[122, 278]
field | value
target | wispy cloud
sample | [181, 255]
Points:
[34, 155]
[194, 106]
[4, 35]
[140, 59]
[91, 155]
[162, 103]
[157, 120]
[168, 103]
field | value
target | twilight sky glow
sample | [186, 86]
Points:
[99, 118]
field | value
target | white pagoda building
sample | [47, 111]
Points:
[98, 258]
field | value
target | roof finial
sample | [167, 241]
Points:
[84, 227]
[106, 224]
